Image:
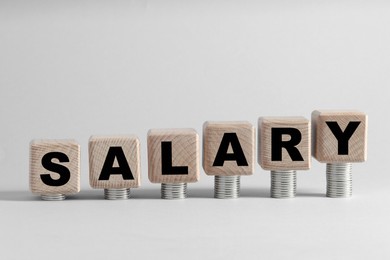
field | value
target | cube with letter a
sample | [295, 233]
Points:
[114, 162]
[228, 148]
[339, 136]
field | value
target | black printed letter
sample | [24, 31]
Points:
[123, 168]
[223, 155]
[166, 161]
[343, 137]
[278, 144]
[53, 167]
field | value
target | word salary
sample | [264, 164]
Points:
[284, 143]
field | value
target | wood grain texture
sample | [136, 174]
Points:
[38, 148]
[185, 152]
[98, 149]
[213, 133]
[265, 143]
[325, 144]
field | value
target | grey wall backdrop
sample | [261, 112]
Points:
[70, 69]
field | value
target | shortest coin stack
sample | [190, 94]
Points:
[54, 168]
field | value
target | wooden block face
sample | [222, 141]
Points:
[54, 167]
[228, 148]
[351, 129]
[173, 155]
[114, 162]
[280, 147]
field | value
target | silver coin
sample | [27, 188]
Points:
[283, 184]
[173, 190]
[226, 187]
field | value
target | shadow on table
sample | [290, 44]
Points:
[208, 193]
[18, 196]
[310, 194]
[135, 193]
[148, 194]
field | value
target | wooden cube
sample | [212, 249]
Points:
[54, 167]
[284, 143]
[114, 162]
[339, 136]
[173, 155]
[228, 148]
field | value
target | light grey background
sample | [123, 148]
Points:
[70, 69]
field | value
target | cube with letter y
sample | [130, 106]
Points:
[340, 139]
[339, 136]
